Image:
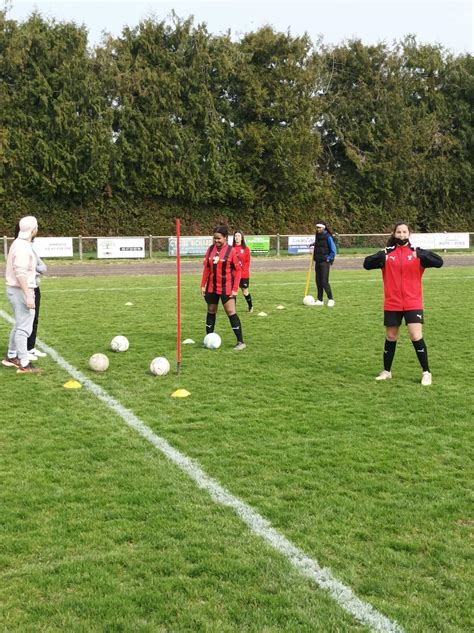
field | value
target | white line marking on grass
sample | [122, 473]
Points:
[255, 284]
[308, 567]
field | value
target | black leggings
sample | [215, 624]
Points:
[322, 279]
[32, 337]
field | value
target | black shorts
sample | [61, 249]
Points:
[393, 318]
[212, 298]
[244, 283]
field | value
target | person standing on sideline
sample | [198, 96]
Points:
[323, 256]
[243, 251]
[41, 268]
[20, 281]
[402, 269]
[221, 275]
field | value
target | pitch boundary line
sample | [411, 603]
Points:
[308, 567]
[254, 285]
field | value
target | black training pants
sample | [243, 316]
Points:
[32, 338]
[322, 279]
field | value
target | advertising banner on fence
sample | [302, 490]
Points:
[299, 244]
[258, 243]
[54, 246]
[452, 240]
[432, 241]
[190, 246]
[423, 240]
[120, 247]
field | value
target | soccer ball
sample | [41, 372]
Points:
[212, 341]
[159, 366]
[309, 300]
[99, 362]
[119, 344]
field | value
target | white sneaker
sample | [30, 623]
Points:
[426, 379]
[384, 375]
[32, 356]
[37, 353]
[331, 303]
[318, 303]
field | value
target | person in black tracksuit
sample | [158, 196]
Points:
[323, 256]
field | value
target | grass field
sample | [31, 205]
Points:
[101, 532]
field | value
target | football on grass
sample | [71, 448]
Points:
[212, 341]
[159, 366]
[99, 362]
[119, 344]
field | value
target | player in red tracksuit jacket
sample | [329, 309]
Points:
[402, 269]
[243, 251]
[221, 276]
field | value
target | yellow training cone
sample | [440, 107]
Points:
[180, 393]
[72, 384]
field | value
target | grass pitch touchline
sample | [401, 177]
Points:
[254, 285]
[308, 567]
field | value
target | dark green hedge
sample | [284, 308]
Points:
[267, 133]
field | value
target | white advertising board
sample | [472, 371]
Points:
[423, 240]
[452, 240]
[120, 247]
[189, 246]
[53, 246]
[298, 244]
[432, 241]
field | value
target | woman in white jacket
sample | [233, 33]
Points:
[20, 285]
[41, 269]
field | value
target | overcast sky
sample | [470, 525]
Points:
[446, 22]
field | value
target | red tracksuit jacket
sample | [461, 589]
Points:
[222, 270]
[244, 256]
[402, 270]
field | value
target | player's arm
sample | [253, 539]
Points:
[21, 269]
[205, 273]
[377, 260]
[428, 259]
[237, 266]
[332, 250]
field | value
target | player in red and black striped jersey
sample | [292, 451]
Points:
[222, 271]
[243, 251]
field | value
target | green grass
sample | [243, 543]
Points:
[100, 532]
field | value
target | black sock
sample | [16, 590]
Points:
[388, 354]
[236, 326]
[210, 322]
[422, 353]
[248, 299]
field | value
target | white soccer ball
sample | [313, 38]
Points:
[99, 362]
[119, 344]
[212, 341]
[309, 300]
[159, 366]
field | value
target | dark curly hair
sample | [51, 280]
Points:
[222, 229]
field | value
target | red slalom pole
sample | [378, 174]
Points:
[178, 297]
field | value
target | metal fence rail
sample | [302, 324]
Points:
[85, 247]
